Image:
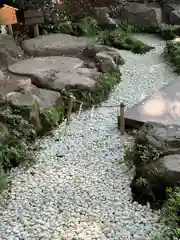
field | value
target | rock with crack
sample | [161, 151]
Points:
[56, 73]
[55, 45]
[142, 14]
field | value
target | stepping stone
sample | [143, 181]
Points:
[56, 73]
[55, 45]
[162, 107]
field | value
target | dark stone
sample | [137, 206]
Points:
[156, 156]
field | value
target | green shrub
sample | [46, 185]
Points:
[172, 53]
[122, 40]
[171, 217]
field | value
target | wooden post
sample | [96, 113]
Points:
[10, 31]
[70, 106]
[35, 30]
[122, 118]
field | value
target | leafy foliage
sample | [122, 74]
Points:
[172, 53]
[171, 217]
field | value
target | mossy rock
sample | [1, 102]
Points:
[86, 27]
[169, 32]
[172, 53]
[17, 126]
[121, 40]
[156, 145]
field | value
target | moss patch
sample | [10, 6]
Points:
[170, 217]
[172, 54]
[51, 118]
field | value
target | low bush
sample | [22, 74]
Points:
[170, 217]
[172, 54]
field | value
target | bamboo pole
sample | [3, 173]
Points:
[122, 122]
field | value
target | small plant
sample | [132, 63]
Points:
[141, 182]
[170, 216]
[172, 53]
[50, 118]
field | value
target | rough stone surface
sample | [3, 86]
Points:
[55, 73]
[174, 17]
[164, 138]
[55, 45]
[46, 98]
[91, 50]
[9, 50]
[79, 188]
[28, 104]
[147, 15]
[105, 62]
[168, 7]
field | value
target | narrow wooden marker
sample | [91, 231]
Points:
[70, 106]
[122, 118]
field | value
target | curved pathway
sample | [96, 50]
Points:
[79, 187]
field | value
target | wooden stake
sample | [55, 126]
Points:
[36, 30]
[70, 106]
[122, 118]
[10, 30]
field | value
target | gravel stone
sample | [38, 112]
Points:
[80, 187]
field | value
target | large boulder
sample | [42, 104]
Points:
[174, 17]
[168, 8]
[55, 45]
[156, 156]
[9, 50]
[142, 14]
[56, 73]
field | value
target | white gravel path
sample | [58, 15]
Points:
[79, 187]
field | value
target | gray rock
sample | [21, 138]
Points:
[168, 7]
[105, 62]
[55, 45]
[146, 15]
[91, 50]
[46, 98]
[163, 138]
[9, 50]
[55, 73]
[174, 17]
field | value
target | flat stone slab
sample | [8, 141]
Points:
[161, 107]
[55, 45]
[56, 73]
